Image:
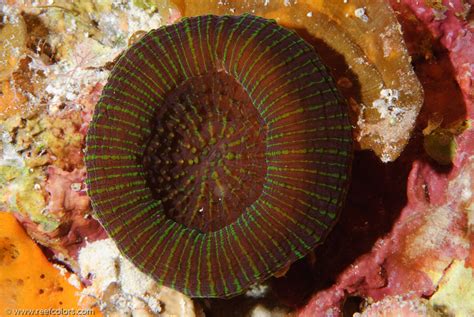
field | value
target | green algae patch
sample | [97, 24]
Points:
[441, 146]
[440, 143]
[21, 192]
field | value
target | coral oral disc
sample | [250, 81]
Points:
[206, 158]
[219, 152]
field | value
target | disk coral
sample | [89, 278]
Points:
[219, 153]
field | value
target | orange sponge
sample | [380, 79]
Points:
[27, 279]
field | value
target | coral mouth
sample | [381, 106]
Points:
[205, 160]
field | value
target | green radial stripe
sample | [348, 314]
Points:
[130, 198]
[136, 216]
[186, 282]
[143, 53]
[183, 43]
[173, 38]
[291, 239]
[260, 56]
[270, 68]
[154, 53]
[307, 151]
[224, 23]
[147, 250]
[251, 240]
[307, 99]
[282, 84]
[242, 48]
[110, 92]
[306, 214]
[156, 89]
[243, 34]
[263, 69]
[229, 248]
[313, 120]
[220, 264]
[183, 265]
[232, 31]
[200, 43]
[113, 102]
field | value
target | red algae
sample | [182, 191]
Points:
[88, 102]
[68, 195]
[68, 202]
[64, 189]
[442, 57]
[429, 234]
[432, 229]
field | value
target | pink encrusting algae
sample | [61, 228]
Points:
[432, 230]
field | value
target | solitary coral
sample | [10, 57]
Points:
[219, 152]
